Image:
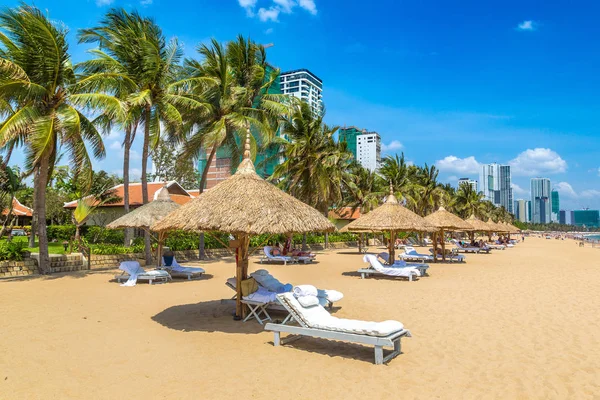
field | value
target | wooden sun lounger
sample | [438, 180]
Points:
[392, 340]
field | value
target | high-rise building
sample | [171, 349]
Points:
[541, 201]
[587, 218]
[522, 210]
[364, 146]
[555, 205]
[468, 181]
[562, 217]
[495, 183]
[304, 85]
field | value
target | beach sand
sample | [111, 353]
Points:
[523, 323]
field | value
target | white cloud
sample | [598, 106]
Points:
[101, 3]
[134, 155]
[145, 2]
[272, 14]
[590, 193]
[459, 165]
[527, 25]
[309, 5]
[394, 145]
[285, 5]
[269, 31]
[135, 174]
[598, 171]
[538, 161]
[518, 190]
[115, 145]
[565, 189]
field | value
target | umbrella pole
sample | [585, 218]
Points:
[159, 248]
[392, 259]
[443, 246]
[434, 247]
[241, 273]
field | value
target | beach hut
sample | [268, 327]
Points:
[390, 217]
[445, 221]
[147, 215]
[245, 205]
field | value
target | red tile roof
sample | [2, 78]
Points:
[178, 194]
[347, 213]
[19, 209]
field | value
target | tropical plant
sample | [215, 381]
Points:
[468, 202]
[395, 171]
[429, 193]
[37, 80]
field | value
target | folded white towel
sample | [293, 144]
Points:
[305, 290]
[308, 301]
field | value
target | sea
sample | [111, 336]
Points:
[592, 237]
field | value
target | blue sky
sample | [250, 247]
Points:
[454, 83]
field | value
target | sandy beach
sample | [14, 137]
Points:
[516, 324]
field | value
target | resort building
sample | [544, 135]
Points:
[343, 216]
[21, 214]
[586, 218]
[468, 181]
[365, 146]
[495, 183]
[555, 205]
[109, 212]
[541, 201]
[305, 85]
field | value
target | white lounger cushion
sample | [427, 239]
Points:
[391, 271]
[331, 295]
[175, 266]
[308, 301]
[318, 318]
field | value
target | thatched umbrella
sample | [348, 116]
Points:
[479, 225]
[147, 215]
[390, 217]
[496, 226]
[445, 221]
[245, 205]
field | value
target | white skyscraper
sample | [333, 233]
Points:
[541, 201]
[305, 85]
[368, 150]
[468, 181]
[495, 183]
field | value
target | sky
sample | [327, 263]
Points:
[450, 83]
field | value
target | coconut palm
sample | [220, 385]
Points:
[236, 86]
[38, 81]
[429, 193]
[365, 190]
[315, 169]
[468, 202]
[396, 173]
[140, 64]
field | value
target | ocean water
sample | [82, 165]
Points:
[593, 237]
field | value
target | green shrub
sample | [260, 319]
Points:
[100, 234]
[13, 250]
[60, 232]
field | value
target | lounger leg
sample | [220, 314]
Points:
[397, 346]
[362, 275]
[378, 355]
[277, 339]
[150, 281]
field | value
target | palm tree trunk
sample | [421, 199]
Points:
[126, 151]
[304, 242]
[40, 207]
[145, 153]
[201, 252]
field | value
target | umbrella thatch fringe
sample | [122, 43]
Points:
[445, 220]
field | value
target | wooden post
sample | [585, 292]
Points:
[241, 273]
[159, 248]
[392, 247]
[443, 246]
[434, 246]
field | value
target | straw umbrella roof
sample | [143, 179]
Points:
[246, 203]
[445, 220]
[511, 228]
[390, 216]
[496, 227]
[479, 225]
[148, 214]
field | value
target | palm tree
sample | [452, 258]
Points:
[38, 81]
[396, 173]
[148, 72]
[365, 189]
[234, 81]
[429, 192]
[315, 169]
[468, 202]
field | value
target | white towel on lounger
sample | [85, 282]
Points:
[305, 290]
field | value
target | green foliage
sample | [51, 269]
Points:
[13, 250]
[99, 234]
[60, 232]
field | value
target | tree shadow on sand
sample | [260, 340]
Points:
[57, 275]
